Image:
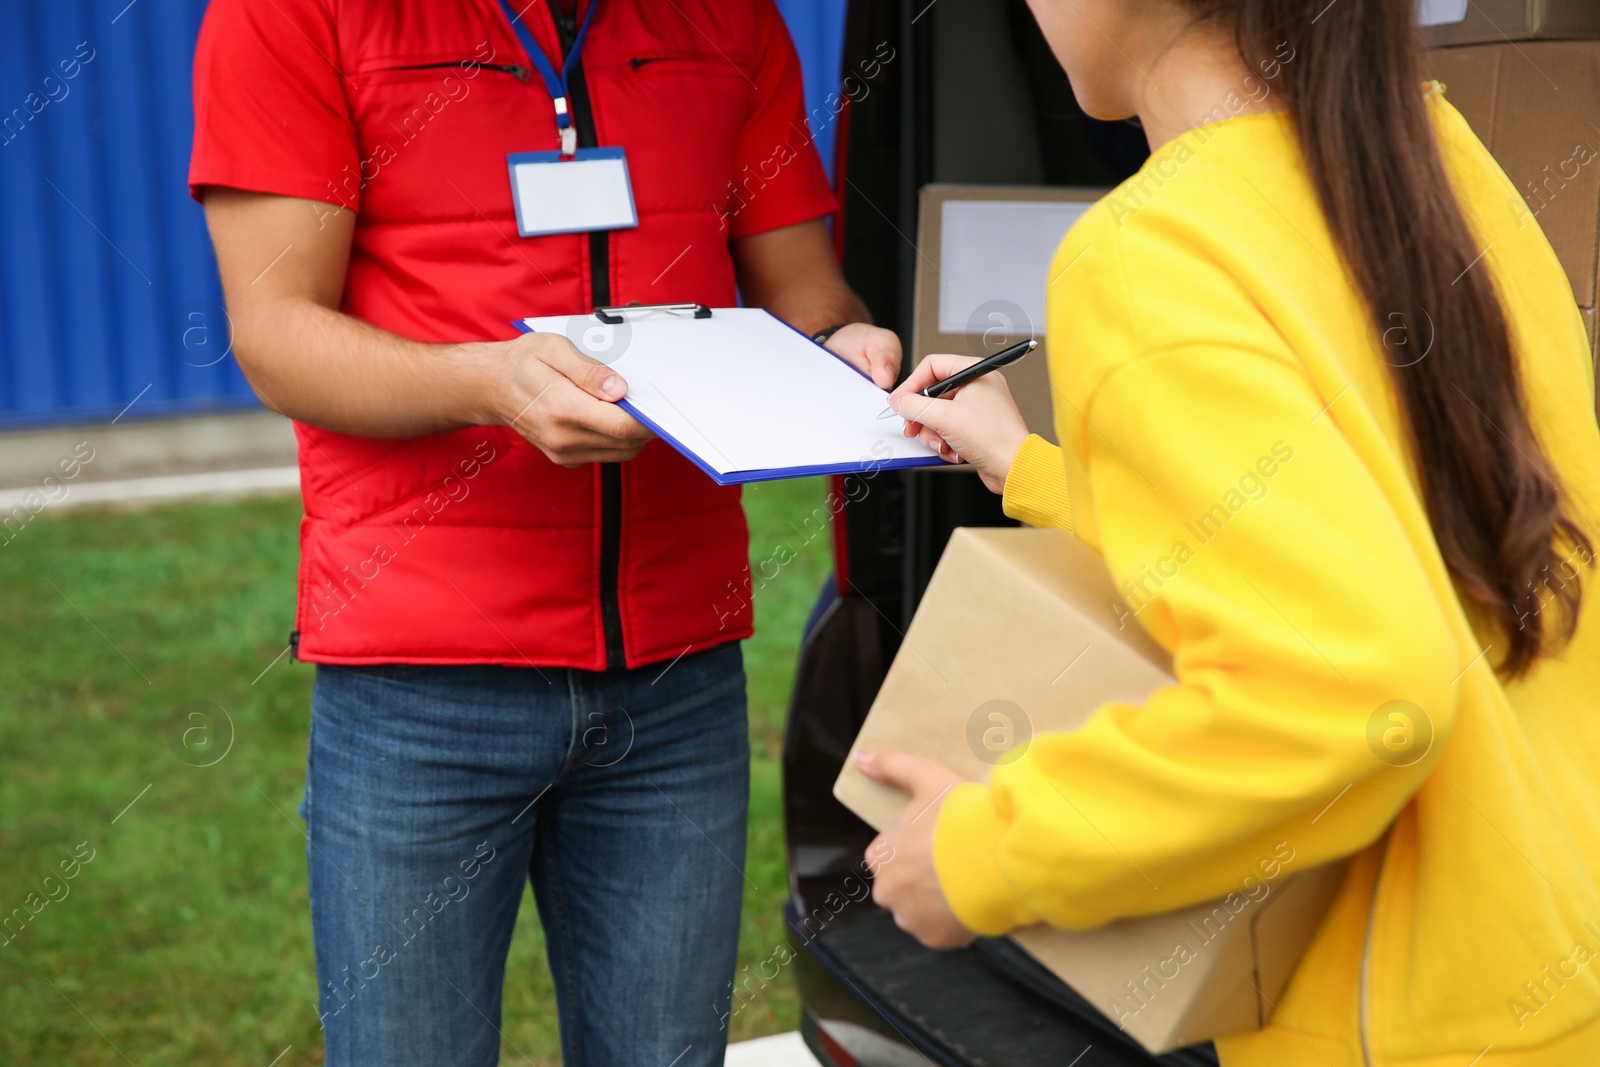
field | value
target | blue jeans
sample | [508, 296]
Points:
[434, 793]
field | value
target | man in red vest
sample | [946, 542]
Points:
[520, 604]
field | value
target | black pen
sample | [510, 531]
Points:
[1003, 358]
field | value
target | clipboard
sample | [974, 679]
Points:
[740, 394]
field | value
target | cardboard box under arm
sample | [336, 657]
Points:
[1016, 635]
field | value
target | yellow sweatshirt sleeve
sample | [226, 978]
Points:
[1036, 485]
[1260, 551]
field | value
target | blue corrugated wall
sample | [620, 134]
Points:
[108, 292]
[817, 27]
[104, 255]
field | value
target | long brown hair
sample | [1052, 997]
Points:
[1353, 92]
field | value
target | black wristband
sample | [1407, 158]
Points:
[821, 336]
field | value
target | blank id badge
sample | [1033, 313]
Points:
[587, 191]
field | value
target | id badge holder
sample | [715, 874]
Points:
[579, 193]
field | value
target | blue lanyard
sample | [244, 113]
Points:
[556, 83]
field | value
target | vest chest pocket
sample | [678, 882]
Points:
[680, 116]
[425, 123]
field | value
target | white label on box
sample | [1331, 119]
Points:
[1441, 12]
[994, 259]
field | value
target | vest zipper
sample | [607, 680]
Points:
[520, 73]
[600, 288]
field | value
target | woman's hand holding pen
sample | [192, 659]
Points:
[977, 424]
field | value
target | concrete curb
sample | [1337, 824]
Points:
[779, 1050]
[214, 485]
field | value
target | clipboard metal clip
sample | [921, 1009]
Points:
[613, 316]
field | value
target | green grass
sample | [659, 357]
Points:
[186, 938]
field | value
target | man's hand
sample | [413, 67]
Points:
[563, 402]
[909, 887]
[283, 264]
[871, 350]
[978, 423]
[792, 273]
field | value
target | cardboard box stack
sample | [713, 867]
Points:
[1526, 74]
[987, 334]
[1457, 22]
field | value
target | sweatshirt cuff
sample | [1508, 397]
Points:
[966, 858]
[1036, 486]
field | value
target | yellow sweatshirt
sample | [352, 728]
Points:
[1232, 445]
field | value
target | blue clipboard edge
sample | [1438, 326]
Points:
[515, 158]
[773, 474]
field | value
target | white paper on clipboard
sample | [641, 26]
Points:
[744, 396]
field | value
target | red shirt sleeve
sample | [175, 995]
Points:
[776, 145]
[270, 111]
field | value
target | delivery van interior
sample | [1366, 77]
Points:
[949, 109]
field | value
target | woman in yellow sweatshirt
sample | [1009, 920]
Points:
[1327, 408]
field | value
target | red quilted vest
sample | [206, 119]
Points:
[471, 547]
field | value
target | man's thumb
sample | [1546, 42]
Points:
[601, 380]
[587, 373]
